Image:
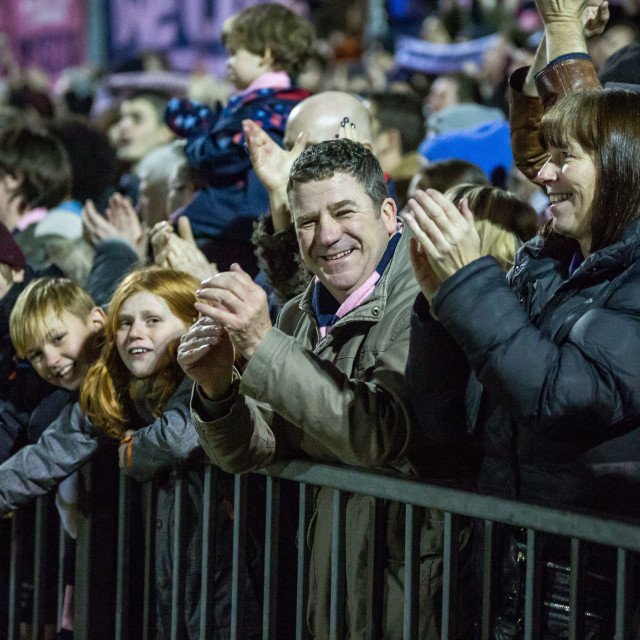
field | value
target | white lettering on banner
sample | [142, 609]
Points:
[430, 57]
[144, 24]
[202, 20]
[168, 24]
[37, 13]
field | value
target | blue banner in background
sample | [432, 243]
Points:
[428, 57]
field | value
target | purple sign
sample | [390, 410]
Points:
[49, 35]
[188, 30]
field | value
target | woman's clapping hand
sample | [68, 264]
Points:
[446, 237]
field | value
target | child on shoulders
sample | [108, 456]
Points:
[267, 44]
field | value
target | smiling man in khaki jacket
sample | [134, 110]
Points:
[327, 382]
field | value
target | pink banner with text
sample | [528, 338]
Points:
[49, 34]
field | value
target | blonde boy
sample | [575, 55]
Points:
[58, 328]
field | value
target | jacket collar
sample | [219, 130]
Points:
[373, 308]
[560, 250]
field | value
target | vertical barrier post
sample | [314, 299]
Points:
[491, 557]
[62, 536]
[14, 578]
[621, 595]
[302, 592]
[450, 575]
[42, 529]
[239, 555]
[411, 573]
[148, 600]
[123, 555]
[338, 576]
[208, 551]
[271, 560]
[178, 568]
[533, 581]
[576, 592]
[375, 560]
[83, 583]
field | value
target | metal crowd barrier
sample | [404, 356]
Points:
[578, 527]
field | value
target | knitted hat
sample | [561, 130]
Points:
[10, 252]
[622, 67]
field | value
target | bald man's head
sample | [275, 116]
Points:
[321, 115]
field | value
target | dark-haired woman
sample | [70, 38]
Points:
[553, 350]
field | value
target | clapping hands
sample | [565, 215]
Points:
[179, 251]
[120, 222]
[445, 238]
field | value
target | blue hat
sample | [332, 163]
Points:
[487, 145]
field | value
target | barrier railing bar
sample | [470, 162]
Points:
[621, 595]
[148, 611]
[375, 559]
[41, 529]
[302, 579]
[60, 602]
[271, 557]
[450, 575]
[583, 528]
[489, 576]
[84, 577]
[593, 528]
[576, 599]
[13, 578]
[411, 573]
[208, 551]
[123, 555]
[178, 568]
[239, 555]
[533, 587]
[338, 573]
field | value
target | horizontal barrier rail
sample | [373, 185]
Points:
[283, 553]
[593, 528]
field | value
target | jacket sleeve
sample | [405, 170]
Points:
[560, 77]
[113, 259]
[291, 400]
[62, 448]
[220, 155]
[188, 118]
[589, 380]
[437, 374]
[237, 433]
[167, 440]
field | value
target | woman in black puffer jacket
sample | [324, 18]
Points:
[543, 366]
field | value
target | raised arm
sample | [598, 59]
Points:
[437, 376]
[272, 164]
[220, 154]
[561, 65]
[290, 400]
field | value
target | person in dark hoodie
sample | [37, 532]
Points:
[20, 387]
